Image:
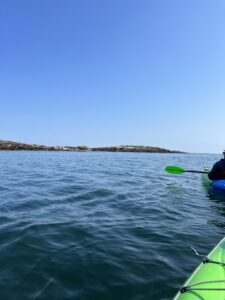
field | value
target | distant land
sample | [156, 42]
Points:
[12, 146]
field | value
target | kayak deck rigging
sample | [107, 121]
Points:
[208, 280]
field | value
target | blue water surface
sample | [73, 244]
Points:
[103, 226]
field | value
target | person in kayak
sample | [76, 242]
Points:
[218, 169]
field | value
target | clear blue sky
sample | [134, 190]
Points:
[111, 72]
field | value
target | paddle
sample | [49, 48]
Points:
[178, 170]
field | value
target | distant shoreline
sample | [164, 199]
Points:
[15, 146]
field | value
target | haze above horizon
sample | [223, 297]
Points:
[119, 72]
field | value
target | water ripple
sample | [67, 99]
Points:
[102, 225]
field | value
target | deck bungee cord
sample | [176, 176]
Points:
[205, 260]
[190, 287]
[208, 280]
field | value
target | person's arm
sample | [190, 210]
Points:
[213, 174]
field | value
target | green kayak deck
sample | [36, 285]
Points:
[208, 280]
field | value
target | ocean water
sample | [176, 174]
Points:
[103, 226]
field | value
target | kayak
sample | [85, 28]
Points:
[219, 185]
[208, 280]
[215, 184]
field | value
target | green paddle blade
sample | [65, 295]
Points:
[174, 170]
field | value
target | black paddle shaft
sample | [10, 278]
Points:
[193, 171]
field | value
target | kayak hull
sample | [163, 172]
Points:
[215, 184]
[203, 289]
[219, 185]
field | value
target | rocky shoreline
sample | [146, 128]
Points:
[15, 146]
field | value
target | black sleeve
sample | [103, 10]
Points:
[214, 173]
[211, 175]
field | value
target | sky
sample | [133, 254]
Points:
[113, 72]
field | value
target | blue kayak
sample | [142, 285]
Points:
[215, 184]
[219, 185]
